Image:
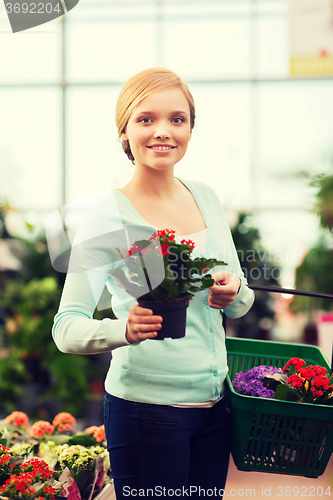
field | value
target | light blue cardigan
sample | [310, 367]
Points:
[190, 369]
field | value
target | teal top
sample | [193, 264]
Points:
[190, 369]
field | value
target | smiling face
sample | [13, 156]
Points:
[159, 129]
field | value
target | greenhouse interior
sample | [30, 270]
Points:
[261, 76]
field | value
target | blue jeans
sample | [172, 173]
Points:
[167, 451]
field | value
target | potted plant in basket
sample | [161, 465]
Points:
[295, 440]
[170, 294]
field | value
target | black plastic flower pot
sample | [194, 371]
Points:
[173, 313]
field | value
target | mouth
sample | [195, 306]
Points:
[161, 148]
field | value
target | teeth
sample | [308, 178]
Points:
[161, 148]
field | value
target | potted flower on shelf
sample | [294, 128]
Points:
[163, 277]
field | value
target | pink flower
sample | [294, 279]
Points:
[40, 428]
[99, 434]
[64, 422]
[18, 418]
[91, 430]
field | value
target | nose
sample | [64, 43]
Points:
[161, 131]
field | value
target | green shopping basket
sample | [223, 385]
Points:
[274, 436]
[268, 435]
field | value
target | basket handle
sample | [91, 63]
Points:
[276, 289]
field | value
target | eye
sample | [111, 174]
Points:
[178, 120]
[145, 120]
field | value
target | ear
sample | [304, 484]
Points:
[124, 137]
[190, 134]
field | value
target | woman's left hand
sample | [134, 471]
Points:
[222, 295]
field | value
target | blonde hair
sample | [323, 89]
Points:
[142, 85]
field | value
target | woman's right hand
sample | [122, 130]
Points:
[141, 324]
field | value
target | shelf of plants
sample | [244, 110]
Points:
[51, 461]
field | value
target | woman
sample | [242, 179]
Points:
[167, 419]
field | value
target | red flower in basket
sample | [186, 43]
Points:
[306, 384]
[295, 380]
[294, 362]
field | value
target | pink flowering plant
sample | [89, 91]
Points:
[14, 426]
[64, 422]
[41, 429]
[97, 433]
[45, 461]
[18, 419]
[183, 275]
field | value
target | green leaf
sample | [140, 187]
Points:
[286, 393]
[207, 281]
[82, 439]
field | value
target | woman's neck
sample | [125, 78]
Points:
[153, 184]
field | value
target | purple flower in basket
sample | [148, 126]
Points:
[250, 383]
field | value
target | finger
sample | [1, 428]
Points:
[217, 306]
[135, 335]
[220, 304]
[223, 296]
[222, 286]
[148, 314]
[144, 328]
[148, 320]
[142, 311]
[145, 336]
[221, 282]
